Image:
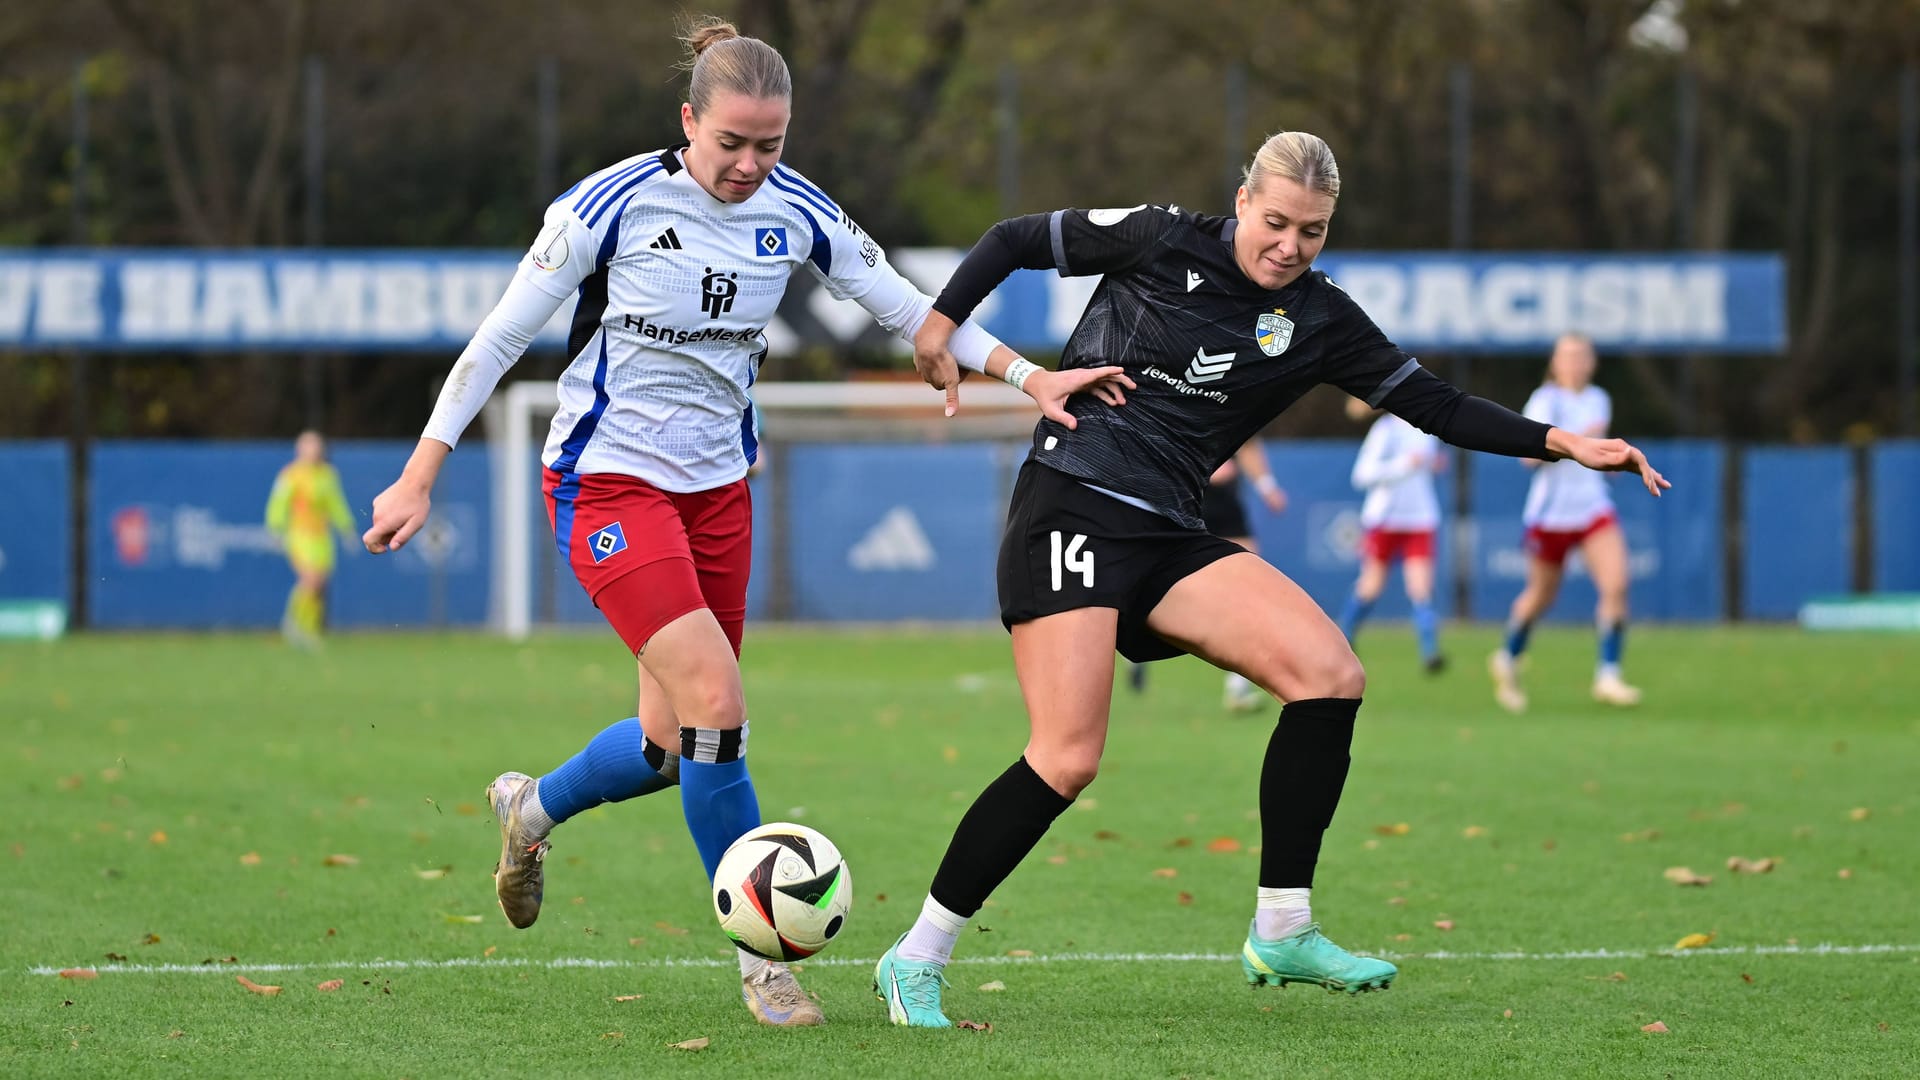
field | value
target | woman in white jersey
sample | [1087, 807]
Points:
[678, 260]
[1567, 509]
[1401, 514]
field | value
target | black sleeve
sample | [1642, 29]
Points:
[1074, 242]
[1015, 244]
[1439, 408]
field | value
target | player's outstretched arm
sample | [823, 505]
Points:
[1049, 389]
[1607, 455]
[401, 510]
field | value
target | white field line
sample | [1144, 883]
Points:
[1051, 958]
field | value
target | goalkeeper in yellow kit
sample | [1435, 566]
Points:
[306, 499]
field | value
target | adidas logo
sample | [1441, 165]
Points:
[896, 542]
[666, 241]
[1208, 367]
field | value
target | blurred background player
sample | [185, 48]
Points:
[307, 501]
[1569, 508]
[1224, 511]
[680, 258]
[1401, 516]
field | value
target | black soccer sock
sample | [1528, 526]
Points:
[1001, 826]
[1300, 785]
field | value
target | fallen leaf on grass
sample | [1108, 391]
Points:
[1859, 813]
[159, 837]
[1056, 860]
[990, 987]
[949, 754]
[448, 917]
[175, 1033]
[1752, 866]
[1221, 845]
[434, 874]
[669, 928]
[1618, 976]
[79, 973]
[1649, 835]
[636, 942]
[1694, 941]
[491, 949]
[340, 860]
[614, 1035]
[256, 988]
[150, 939]
[629, 997]
[116, 958]
[1683, 875]
[466, 809]
[1397, 829]
[700, 1043]
[1166, 872]
[1508, 1014]
[1397, 901]
[72, 783]
[971, 1025]
[1105, 834]
[1019, 953]
[330, 986]
[1655, 1028]
[251, 858]
[1181, 841]
[1845, 873]
[1473, 832]
[1746, 978]
[1443, 924]
[1185, 897]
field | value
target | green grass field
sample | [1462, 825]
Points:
[175, 801]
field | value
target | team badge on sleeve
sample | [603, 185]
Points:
[768, 243]
[1273, 332]
[607, 542]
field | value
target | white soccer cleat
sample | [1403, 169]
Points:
[774, 997]
[1506, 682]
[1612, 690]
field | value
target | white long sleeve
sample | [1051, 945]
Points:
[502, 339]
[1378, 464]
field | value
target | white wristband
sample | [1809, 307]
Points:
[1266, 483]
[1018, 372]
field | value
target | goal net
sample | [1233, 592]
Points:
[876, 457]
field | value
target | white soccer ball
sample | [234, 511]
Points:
[782, 891]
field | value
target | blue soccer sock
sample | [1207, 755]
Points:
[1613, 642]
[1354, 614]
[1426, 627]
[616, 765]
[1517, 634]
[716, 794]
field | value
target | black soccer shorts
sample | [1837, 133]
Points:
[1068, 546]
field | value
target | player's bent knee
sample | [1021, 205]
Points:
[1068, 770]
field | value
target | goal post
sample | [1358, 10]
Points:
[860, 411]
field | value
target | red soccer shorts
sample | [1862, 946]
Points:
[1386, 545]
[1551, 546]
[647, 556]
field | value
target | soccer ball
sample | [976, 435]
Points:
[782, 891]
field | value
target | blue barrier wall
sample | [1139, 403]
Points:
[1893, 470]
[35, 525]
[1797, 527]
[1674, 543]
[1316, 539]
[179, 539]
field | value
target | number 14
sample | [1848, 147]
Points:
[1070, 559]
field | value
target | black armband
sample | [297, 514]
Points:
[1021, 243]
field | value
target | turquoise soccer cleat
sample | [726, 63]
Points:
[911, 989]
[1308, 957]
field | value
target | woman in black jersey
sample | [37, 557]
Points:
[1219, 323]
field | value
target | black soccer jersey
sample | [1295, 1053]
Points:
[1215, 356]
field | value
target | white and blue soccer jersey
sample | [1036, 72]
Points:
[1565, 495]
[676, 289]
[1395, 469]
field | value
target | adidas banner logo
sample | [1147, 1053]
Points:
[895, 542]
[666, 241]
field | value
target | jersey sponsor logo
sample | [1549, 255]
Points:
[1194, 280]
[717, 291]
[869, 253]
[1114, 215]
[1185, 387]
[896, 542]
[607, 542]
[680, 335]
[1208, 367]
[769, 243]
[666, 241]
[550, 250]
[1273, 332]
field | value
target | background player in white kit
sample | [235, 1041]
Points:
[1569, 508]
[678, 259]
[1401, 515]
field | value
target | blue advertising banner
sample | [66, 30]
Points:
[1797, 522]
[133, 299]
[1674, 543]
[1316, 539]
[1894, 479]
[893, 531]
[35, 525]
[178, 539]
